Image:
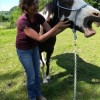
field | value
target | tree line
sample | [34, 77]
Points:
[12, 15]
[94, 3]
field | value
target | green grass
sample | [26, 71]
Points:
[4, 25]
[60, 87]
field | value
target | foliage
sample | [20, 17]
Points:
[42, 3]
[94, 3]
[15, 13]
[5, 16]
[10, 16]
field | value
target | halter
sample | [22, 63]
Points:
[77, 12]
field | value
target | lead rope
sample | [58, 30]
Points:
[75, 69]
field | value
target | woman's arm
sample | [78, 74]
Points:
[45, 26]
[51, 31]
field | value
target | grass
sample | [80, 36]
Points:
[60, 87]
[4, 25]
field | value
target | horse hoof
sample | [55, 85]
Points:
[48, 77]
[45, 81]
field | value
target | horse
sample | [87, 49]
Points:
[80, 15]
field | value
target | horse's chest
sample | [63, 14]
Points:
[47, 45]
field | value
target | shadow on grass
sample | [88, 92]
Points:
[61, 85]
[15, 94]
[10, 75]
[12, 89]
[85, 71]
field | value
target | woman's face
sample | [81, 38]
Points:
[33, 8]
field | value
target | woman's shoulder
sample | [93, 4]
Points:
[38, 15]
[22, 18]
[39, 18]
[22, 21]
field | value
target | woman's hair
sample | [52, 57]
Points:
[23, 4]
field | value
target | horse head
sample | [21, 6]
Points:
[80, 14]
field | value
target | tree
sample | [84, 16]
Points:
[15, 13]
[94, 3]
[42, 3]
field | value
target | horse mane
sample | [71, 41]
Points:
[51, 6]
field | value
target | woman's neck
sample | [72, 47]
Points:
[31, 17]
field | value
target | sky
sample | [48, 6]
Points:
[6, 5]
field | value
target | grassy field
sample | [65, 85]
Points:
[4, 25]
[60, 87]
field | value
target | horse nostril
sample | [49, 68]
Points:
[96, 14]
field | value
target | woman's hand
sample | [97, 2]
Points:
[62, 24]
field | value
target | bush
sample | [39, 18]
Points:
[94, 3]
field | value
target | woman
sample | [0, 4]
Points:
[28, 27]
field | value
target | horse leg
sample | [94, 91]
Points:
[42, 67]
[48, 56]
